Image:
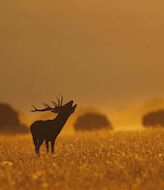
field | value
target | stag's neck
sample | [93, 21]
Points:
[60, 120]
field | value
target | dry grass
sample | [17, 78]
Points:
[114, 161]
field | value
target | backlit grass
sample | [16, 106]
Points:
[112, 161]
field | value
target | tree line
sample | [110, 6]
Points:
[88, 121]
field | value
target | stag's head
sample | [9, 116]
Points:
[66, 109]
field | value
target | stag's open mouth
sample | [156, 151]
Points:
[73, 105]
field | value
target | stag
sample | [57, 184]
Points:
[49, 130]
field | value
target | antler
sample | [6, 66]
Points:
[60, 101]
[49, 108]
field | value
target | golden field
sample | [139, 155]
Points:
[98, 161]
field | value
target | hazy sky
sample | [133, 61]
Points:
[98, 52]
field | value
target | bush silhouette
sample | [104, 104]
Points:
[9, 120]
[154, 119]
[92, 121]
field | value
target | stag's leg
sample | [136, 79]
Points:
[37, 147]
[47, 145]
[52, 146]
[39, 143]
[36, 144]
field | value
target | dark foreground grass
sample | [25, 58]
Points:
[113, 161]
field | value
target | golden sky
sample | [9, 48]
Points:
[102, 53]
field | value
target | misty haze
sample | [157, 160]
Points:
[81, 95]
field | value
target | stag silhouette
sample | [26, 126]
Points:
[49, 130]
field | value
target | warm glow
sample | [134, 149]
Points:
[104, 54]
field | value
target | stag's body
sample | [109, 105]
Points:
[49, 130]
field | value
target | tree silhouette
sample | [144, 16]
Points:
[92, 121]
[154, 119]
[9, 120]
